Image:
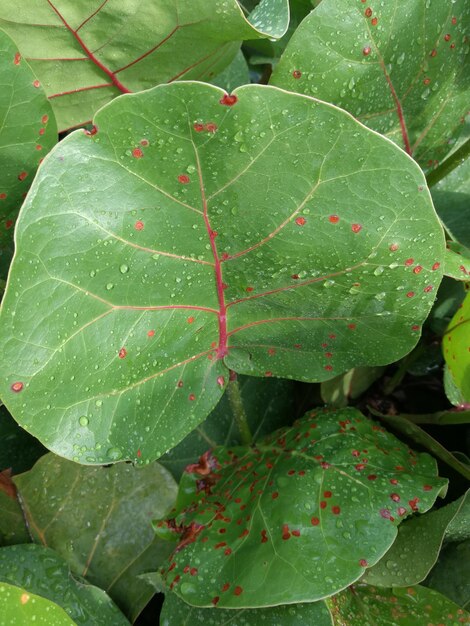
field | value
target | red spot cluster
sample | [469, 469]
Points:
[210, 127]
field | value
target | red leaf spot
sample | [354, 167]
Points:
[334, 219]
[139, 453]
[296, 533]
[268, 374]
[325, 465]
[237, 591]
[394, 481]
[428, 289]
[3, 196]
[215, 600]
[332, 336]
[414, 504]
[291, 472]
[38, 147]
[359, 466]
[374, 21]
[300, 221]
[93, 130]
[229, 100]
[363, 563]
[296, 73]
[415, 327]
[314, 521]
[17, 387]
[323, 504]
[44, 119]
[328, 355]
[22, 175]
[393, 247]
[368, 12]
[452, 46]
[192, 397]
[36, 84]
[180, 384]
[356, 228]
[372, 477]
[454, 21]
[328, 368]
[183, 179]
[264, 539]
[410, 294]
[222, 544]
[356, 453]
[122, 353]
[352, 326]
[225, 587]
[447, 37]
[198, 128]
[275, 495]
[401, 510]
[327, 494]
[211, 127]
[139, 225]
[409, 262]
[151, 333]
[17, 58]
[221, 381]
[336, 510]
[137, 153]
[228, 551]
[385, 513]
[417, 269]
[366, 51]
[249, 289]
[144, 142]
[285, 532]
[295, 276]
[436, 266]
[395, 497]
[426, 81]
[427, 487]
[190, 320]
[8, 224]
[433, 53]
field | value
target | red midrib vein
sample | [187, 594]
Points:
[114, 80]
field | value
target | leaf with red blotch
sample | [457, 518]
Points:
[198, 232]
[87, 53]
[27, 133]
[401, 68]
[7, 485]
[297, 517]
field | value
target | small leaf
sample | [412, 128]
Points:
[43, 572]
[297, 517]
[451, 575]
[456, 348]
[339, 390]
[17, 606]
[457, 261]
[400, 68]
[98, 520]
[27, 133]
[167, 288]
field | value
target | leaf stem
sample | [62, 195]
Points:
[238, 410]
[455, 159]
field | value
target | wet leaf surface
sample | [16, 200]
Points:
[451, 575]
[17, 606]
[456, 348]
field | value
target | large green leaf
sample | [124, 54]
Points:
[400, 67]
[298, 516]
[86, 52]
[451, 575]
[27, 132]
[151, 259]
[175, 612]
[20, 608]
[98, 520]
[456, 348]
[364, 605]
[43, 572]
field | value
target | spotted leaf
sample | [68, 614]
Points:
[399, 67]
[297, 517]
[18, 606]
[85, 53]
[151, 260]
[456, 348]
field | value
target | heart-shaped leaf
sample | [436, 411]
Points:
[18, 606]
[85, 54]
[151, 260]
[297, 517]
[98, 520]
[28, 131]
[43, 572]
[400, 68]
[455, 345]
[364, 605]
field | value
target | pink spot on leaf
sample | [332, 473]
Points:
[17, 387]
[229, 100]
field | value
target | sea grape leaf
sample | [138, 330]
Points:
[18, 606]
[457, 261]
[234, 75]
[364, 605]
[453, 393]
[450, 295]
[176, 612]
[341, 389]
[87, 53]
[42, 572]
[12, 524]
[151, 260]
[28, 131]
[415, 550]
[459, 527]
[99, 521]
[451, 575]
[298, 516]
[453, 207]
[269, 403]
[455, 346]
[18, 451]
[400, 68]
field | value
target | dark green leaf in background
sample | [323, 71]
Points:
[451, 575]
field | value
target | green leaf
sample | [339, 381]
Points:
[269, 404]
[400, 68]
[415, 550]
[298, 516]
[364, 605]
[175, 612]
[19, 451]
[451, 575]
[459, 527]
[455, 345]
[17, 606]
[12, 525]
[340, 390]
[234, 75]
[98, 520]
[453, 393]
[87, 55]
[453, 209]
[151, 260]
[27, 133]
[457, 261]
[44, 573]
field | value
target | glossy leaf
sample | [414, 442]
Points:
[298, 516]
[87, 53]
[453, 393]
[98, 520]
[27, 132]
[457, 261]
[340, 390]
[175, 612]
[365, 605]
[400, 68]
[17, 606]
[151, 261]
[269, 403]
[459, 527]
[455, 345]
[415, 550]
[42, 572]
[451, 575]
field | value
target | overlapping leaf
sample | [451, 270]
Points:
[99, 521]
[27, 132]
[455, 345]
[42, 572]
[451, 575]
[86, 53]
[297, 517]
[195, 232]
[399, 67]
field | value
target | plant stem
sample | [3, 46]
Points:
[403, 366]
[455, 159]
[238, 410]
